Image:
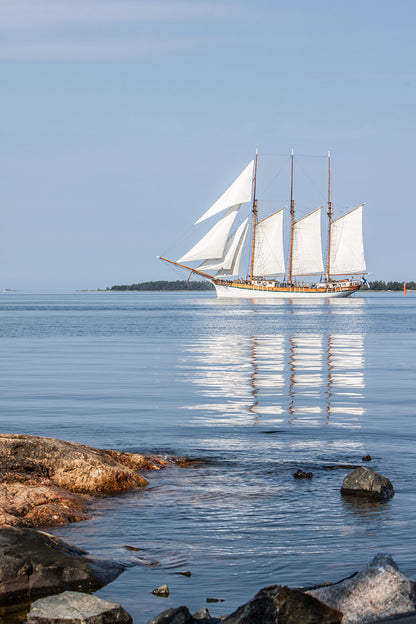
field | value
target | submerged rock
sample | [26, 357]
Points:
[378, 591]
[50, 482]
[77, 608]
[34, 564]
[299, 474]
[367, 458]
[365, 482]
[281, 605]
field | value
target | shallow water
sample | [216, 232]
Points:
[256, 390]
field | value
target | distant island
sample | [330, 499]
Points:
[166, 285]
[197, 285]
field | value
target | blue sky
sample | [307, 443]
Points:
[123, 120]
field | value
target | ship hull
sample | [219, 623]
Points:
[249, 291]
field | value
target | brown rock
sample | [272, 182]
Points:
[50, 482]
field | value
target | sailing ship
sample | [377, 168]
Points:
[268, 276]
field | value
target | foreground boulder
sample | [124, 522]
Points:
[77, 608]
[50, 482]
[34, 564]
[365, 482]
[378, 591]
[281, 605]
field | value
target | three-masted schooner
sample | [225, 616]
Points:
[221, 251]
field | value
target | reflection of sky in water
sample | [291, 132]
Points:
[306, 379]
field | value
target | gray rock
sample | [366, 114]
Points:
[179, 615]
[202, 614]
[35, 564]
[163, 591]
[365, 482]
[281, 605]
[76, 608]
[378, 591]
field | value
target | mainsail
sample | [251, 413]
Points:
[268, 246]
[229, 260]
[307, 245]
[238, 193]
[347, 248]
[212, 245]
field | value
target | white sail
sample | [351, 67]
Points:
[212, 245]
[235, 266]
[238, 193]
[347, 248]
[268, 246]
[231, 247]
[307, 245]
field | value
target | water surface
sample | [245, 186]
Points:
[255, 389]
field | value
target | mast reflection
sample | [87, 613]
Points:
[307, 379]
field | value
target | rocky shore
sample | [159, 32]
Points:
[48, 482]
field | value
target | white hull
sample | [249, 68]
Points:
[296, 293]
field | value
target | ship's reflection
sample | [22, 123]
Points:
[307, 379]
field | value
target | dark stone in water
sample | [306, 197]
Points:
[133, 548]
[367, 458]
[281, 605]
[186, 573]
[367, 483]
[178, 615]
[215, 600]
[34, 564]
[299, 474]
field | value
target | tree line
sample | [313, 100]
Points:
[196, 285]
[166, 285]
[380, 285]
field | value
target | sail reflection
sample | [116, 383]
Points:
[307, 379]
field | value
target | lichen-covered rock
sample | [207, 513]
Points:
[365, 482]
[50, 482]
[281, 605]
[34, 564]
[378, 591]
[77, 608]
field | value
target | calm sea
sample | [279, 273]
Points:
[256, 390]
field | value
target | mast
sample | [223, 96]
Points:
[329, 213]
[292, 222]
[254, 219]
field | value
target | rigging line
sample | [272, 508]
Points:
[274, 178]
[314, 183]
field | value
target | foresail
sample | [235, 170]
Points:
[227, 261]
[347, 248]
[235, 265]
[238, 193]
[212, 245]
[307, 245]
[268, 246]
